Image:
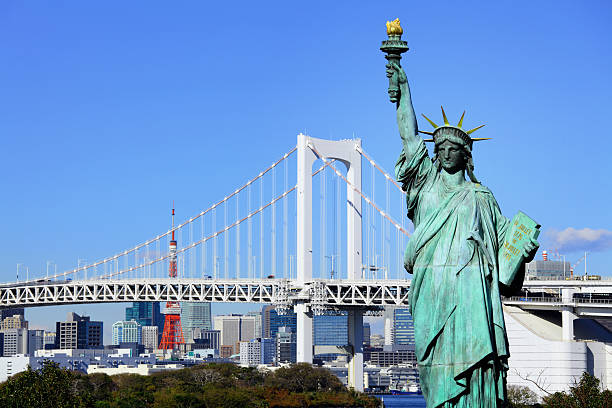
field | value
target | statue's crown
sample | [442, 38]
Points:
[453, 133]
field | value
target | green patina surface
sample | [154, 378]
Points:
[462, 254]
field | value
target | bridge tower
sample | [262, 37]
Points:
[345, 151]
[173, 331]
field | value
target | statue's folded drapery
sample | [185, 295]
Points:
[454, 296]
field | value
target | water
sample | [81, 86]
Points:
[397, 401]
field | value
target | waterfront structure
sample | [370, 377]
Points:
[233, 329]
[16, 321]
[127, 332]
[392, 356]
[78, 332]
[257, 351]
[150, 336]
[139, 369]
[195, 315]
[286, 346]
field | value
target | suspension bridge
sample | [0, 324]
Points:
[256, 245]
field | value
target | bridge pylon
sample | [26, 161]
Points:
[310, 149]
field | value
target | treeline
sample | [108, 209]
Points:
[585, 393]
[205, 385]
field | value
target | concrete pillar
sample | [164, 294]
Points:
[355, 338]
[567, 323]
[304, 333]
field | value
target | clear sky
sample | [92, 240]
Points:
[110, 110]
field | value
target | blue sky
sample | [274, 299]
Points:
[110, 110]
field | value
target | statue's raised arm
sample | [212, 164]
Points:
[406, 118]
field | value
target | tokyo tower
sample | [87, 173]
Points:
[173, 331]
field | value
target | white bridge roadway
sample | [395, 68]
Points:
[341, 294]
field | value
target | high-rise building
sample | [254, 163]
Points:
[234, 329]
[35, 341]
[146, 314]
[210, 336]
[399, 327]
[257, 328]
[14, 322]
[150, 337]
[331, 330]
[286, 347]
[15, 342]
[195, 315]
[271, 321]
[49, 339]
[127, 332]
[78, 332]
[257, 351]
[366, 334]
[4, 313]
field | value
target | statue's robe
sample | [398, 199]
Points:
[460, 336]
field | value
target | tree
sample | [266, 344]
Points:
[521, 397]
[585, 393]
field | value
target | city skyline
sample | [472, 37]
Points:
[106, 127]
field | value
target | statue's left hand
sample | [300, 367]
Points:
[530, 249]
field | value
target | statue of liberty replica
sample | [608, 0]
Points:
[463, 254]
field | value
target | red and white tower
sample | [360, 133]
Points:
[173, 331]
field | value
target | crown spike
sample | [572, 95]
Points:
[476, 139]
[430, 121]
[473, 130]
[461, 120]
[427, 133]
[444, 115]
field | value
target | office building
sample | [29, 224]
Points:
[127, 332]
[331, 330]
[234, 328]
[257, 351]
[286, 346]
[150, 337]
[146, 314]
[210, 337]
[14, 322]
[78, 332]
[545, 269]
[36, 341]
[194, 315]
[271, 321]
[15, 342]
[257, 329]
[399, 327]
[4, 313]
[49, 339]
[393, 355]
[366, 334]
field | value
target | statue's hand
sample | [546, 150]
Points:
[530, 249]
[394, 69]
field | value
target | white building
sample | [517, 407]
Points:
[150, 336]
[141, 369]
[127, 332]
[15, 342]
[541, 352]
[12, 365]
[234, 329]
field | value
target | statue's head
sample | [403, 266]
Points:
[453, 146]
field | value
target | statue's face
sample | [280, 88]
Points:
[451, 156]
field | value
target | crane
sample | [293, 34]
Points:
[578, 262]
